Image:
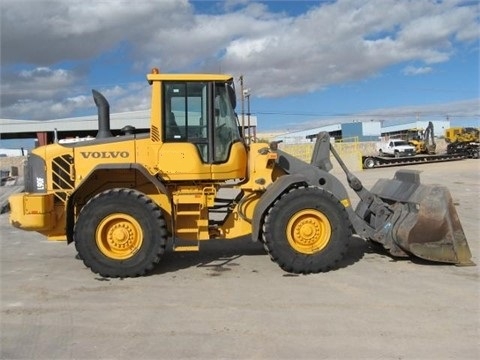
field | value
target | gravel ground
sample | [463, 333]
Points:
[229, 301]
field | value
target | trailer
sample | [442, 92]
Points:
[373, 161]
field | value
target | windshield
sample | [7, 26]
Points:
[225, 123]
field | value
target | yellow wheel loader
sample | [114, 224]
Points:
[122, 199]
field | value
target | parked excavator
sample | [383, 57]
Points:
[423, 140]
[463, 140]
[122, 199]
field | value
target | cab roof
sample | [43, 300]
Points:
[156, 75]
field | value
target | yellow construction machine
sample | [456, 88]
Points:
[422, 140]
[122, 199]
[463, 140]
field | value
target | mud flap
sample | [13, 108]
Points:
[424, 221]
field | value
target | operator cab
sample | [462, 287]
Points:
[199, 126]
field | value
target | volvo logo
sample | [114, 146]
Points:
[104, 154]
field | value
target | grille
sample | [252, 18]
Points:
[63, 178]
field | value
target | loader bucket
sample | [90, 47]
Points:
[424, 221]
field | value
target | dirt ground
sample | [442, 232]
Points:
[229, 301]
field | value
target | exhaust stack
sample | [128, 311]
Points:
[103, 115]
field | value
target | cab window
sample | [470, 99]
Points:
[188, 106]
[225, 124]
[185, 114]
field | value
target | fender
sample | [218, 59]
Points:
[70, 221]
[299, 173]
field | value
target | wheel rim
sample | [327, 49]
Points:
[309, 231]
[119, 236]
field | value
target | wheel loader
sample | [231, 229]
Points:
[121, 200]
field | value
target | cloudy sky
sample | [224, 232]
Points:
[305, 62]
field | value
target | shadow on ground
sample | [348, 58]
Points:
[222, 255]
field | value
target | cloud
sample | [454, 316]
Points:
[460, 108]
[454, 110]
[20, 91]
[346, 41]
[46, 93]
[280, 54]
[43, 109]
[411, 70]
[49, 31]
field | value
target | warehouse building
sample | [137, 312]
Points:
[439, 127]
[362, 131]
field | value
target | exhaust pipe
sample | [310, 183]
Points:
[103, 115]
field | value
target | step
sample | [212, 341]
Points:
[187, 230]
[186, 248]
[188, 213]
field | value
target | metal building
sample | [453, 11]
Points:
[439, 127]
[362, 130]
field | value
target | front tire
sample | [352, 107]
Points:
[120, 233]
[307, 231]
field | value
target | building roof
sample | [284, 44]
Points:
[139, 119]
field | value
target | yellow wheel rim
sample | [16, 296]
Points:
[309, 231]
[119, 236]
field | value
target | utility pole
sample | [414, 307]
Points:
[248, 115]
[246, 95]
[243, 106]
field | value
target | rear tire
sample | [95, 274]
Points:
[120, 233]
[475, 154]
[369, 163]
[307, 231]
